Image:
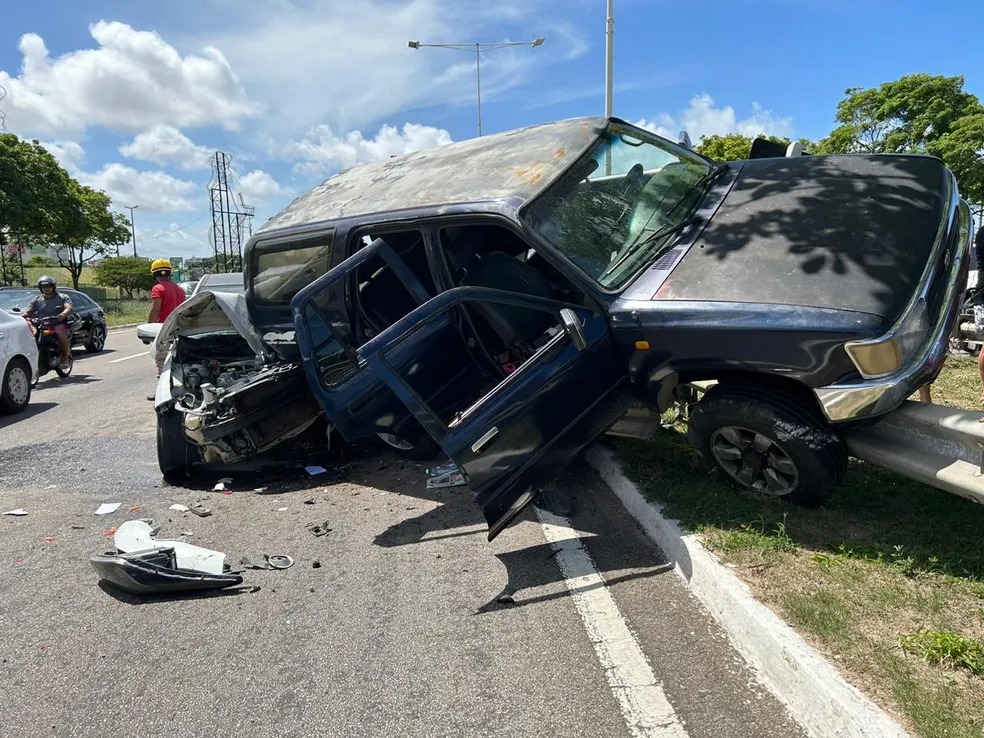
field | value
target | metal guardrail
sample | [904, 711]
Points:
[939, 446]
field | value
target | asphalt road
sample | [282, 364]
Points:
[412, 625]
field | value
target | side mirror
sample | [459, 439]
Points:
[572, 324]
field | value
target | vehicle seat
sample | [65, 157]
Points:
[511, 324]
[385, 299]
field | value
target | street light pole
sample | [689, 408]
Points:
[609, 56]
[133, 231]
[478, 48]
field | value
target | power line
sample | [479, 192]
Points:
[168, 233]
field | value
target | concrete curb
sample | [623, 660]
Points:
[125, 325]
[815, 694]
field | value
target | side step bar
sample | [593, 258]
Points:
[939, 446]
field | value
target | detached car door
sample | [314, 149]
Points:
[510, 434]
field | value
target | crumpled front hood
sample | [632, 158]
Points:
[208, 312]
[843, 232]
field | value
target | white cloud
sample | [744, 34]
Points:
[348, 64]
[322, 152]
[133, 80]
[167, 145]
[68, 153]
[258, 187]
[155, 192]
[702, 118]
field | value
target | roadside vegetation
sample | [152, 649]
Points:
[887, 579]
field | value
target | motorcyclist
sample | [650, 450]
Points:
[57, 307]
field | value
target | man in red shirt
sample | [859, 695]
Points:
[164, 297]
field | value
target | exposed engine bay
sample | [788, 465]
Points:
[236, 398]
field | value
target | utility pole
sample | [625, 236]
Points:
[478, 48]
[609, 56]
[133, 231]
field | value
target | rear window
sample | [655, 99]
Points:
[282, 270]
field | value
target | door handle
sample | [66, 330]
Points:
[483, 441]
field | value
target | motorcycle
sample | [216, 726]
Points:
[49, 352]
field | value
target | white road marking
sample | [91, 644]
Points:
[646, 710]
[127, 358]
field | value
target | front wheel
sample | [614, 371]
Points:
[173, 455]
[65, 372]
[769, 441]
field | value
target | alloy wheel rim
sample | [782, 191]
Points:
[18, 386]
[98, 337]
[395, 441]
[754, 460]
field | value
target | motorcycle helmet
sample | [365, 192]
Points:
[160, 265]
[45, 279]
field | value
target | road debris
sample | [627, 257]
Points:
[18, 512]
[312, 501]
[108, 507]
[281, 509]
[268, 561]
[50, 539]
[142, 564]
[319, 530]
[315, 564]
[179, 507]
[222, 484]
[314, 470]
[444, 475]
[199, 510]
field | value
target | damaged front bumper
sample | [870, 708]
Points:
[234, 396]
[156, 572]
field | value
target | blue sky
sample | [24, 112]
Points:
[133, 97]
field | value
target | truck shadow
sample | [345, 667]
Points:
[874, 515]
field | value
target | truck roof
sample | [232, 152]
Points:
[505, 168]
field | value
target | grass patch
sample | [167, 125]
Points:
[946, 648]
[121, 312]
[884, 563]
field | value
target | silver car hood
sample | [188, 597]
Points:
[208, 312]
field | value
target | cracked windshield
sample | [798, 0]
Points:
[620, 204]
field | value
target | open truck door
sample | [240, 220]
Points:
[509, 428]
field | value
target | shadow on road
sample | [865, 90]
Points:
[32, 409]
[151, 599]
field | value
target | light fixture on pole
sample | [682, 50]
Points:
[133, 231]
[478, 48]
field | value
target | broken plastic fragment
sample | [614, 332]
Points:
[179, 507]
[157, 571]
[448, 467]
[17, 512]
[313, 470]
[137, 535]
[455, 479]
[199, 510]
[319, 530]
[268, 561]
[221, 485]
[107, 507]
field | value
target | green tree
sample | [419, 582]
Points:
[126, 273]
[736, 146]
[918, 113]
[35, 192]
[91, 230]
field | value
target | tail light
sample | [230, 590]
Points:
[47, 332]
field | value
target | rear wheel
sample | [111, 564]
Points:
[769, 441]
[97, 339]
[173, 451]
[15, 392]
[423, 448]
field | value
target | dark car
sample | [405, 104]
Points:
[88, 321]
[507, 299]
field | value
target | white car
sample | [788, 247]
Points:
[18, 362]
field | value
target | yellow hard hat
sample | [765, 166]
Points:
[159, 264]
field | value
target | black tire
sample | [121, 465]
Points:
[97, 339]
[769, 441]
[15, 392]
[173, 450]
[422, 448]
[66, 372]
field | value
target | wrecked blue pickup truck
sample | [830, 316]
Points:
[510, 298]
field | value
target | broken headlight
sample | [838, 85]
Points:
[880, 356]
